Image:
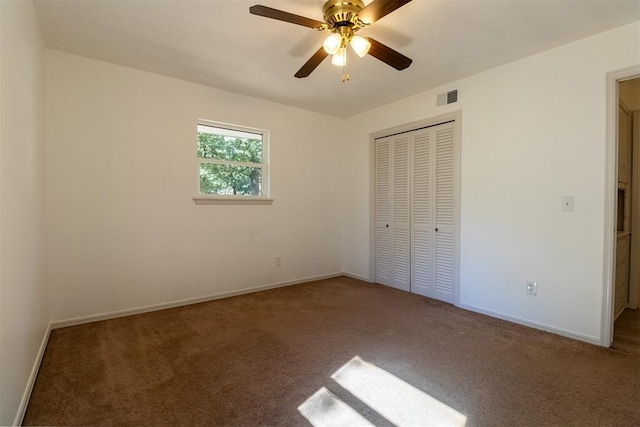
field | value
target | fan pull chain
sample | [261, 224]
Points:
[345, 75]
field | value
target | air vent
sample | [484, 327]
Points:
[447, 98]
[452, 96]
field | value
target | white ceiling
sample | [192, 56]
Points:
[219, 44]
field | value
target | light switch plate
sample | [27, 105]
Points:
[567, 204]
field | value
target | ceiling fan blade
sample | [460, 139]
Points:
[378, 9]
[312, 63]
[388, 56]
[280, 15]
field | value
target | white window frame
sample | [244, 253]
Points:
[208, 199]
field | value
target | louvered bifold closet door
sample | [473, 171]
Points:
[417, 211]
[445, 206]
[422, 244]
[401, 213]
[384, 251]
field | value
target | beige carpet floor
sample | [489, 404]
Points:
[254, 359]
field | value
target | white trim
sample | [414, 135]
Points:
[358, 277]
[634, 255]
[541, 326]
[457, 206]
[418, 124]
[231, 200]
[232, 127]
[611, 192]
[162, 306]
[454, 116]
[230, 163]
[372, 208]
[24, 402]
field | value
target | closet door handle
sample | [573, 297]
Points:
[387, 225]
[436, 228]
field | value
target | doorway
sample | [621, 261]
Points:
[620, 320]
[626, 316]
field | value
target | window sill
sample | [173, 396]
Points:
[222, 200]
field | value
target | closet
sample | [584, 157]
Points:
[416, 210]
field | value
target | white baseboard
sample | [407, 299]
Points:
[535, 325]
[162, 306]
[32, 378]
[357, 276]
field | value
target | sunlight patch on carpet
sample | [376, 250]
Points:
[397, 401]
[324, 409]
[394, 399]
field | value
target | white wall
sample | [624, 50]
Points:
[532, 132]
[123, 230]
[24, 312]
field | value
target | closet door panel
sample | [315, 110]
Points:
[401, 209]
[384, 251]
[421, 212]
[444, 213]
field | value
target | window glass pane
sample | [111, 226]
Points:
[230, 180]
[225, 144]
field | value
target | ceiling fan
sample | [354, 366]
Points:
[343, 18]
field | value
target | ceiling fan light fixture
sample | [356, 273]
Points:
[332, 43]
[340, 57]
[360, 45]
[342, 19]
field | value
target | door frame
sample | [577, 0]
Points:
[454, 116]
[634, 254]
[611, 193]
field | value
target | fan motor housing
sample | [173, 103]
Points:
[339, 13]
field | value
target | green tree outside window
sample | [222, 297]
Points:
[231, 170]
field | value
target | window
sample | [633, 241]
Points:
[232, 163]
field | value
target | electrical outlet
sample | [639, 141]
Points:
[278, 261]
[532, 288]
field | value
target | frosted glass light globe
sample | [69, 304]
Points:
[340, 57]
[332, 43]
[360, 45]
